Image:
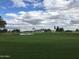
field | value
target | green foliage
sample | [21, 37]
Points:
[2, 22]
[58, 29]
[47, 30]
[3, 30]
[16, 30]
[77, 30]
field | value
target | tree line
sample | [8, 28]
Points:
[56, 28]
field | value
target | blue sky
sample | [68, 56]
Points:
[7, 6]
[43, 13]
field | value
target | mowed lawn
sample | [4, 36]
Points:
[40, 46]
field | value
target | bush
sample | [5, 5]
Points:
[3, 30]
[68, 31]
[16, 30]
[77, 30]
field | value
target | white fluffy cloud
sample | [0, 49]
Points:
[58, 12]
[25, 3]
[56, 4]
[19, 3]
[68, 10]
[38, 18]
[13, 15]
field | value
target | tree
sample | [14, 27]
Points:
[2, 22]
[58, 29]
[54, 27]
[77, 30]
[47, 30]
[4, 30]
[61, 29]
[16, 30]
[68, 31]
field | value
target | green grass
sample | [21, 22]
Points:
[40, 46]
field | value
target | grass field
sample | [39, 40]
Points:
[40, 46]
